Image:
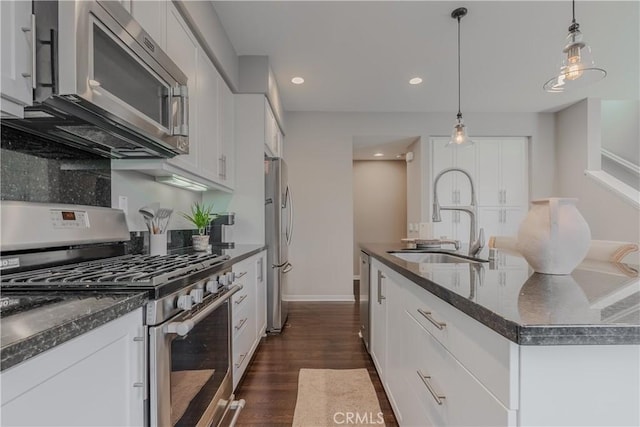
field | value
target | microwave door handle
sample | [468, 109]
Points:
[183, 328]
[182, 93]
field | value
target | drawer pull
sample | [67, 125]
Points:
[242, 298]
[425, 379]
[241, 323]
[427, 315]
[239, 275]
[242, 357]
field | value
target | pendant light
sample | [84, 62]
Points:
[577, 68]
[459, 135]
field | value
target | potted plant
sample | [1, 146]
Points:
[201, 215]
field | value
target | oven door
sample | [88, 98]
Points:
[190, 370]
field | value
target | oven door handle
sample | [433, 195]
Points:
[183, 328]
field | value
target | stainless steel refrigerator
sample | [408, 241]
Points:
[278, 233]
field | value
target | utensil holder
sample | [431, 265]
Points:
[158, 244]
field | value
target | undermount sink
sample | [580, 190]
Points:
[433, 257]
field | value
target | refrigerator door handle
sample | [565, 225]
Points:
[288, 201]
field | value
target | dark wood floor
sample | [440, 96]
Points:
[318, 335]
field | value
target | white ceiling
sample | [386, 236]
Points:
[359, 55]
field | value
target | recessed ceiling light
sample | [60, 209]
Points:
[378, 155]
[297, 80]
[415, 81]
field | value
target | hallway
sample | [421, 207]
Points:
[318, 335]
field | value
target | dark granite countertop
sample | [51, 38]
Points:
[59, 318]
[598, 304]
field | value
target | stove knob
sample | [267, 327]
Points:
[212, 286]
[222, 280]
[185, 302]
[231, 277]
[197, 295]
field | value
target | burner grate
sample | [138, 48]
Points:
[139, 270]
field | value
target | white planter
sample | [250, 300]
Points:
[200, 243]
[554, 237]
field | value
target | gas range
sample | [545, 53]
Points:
[48, 250]
[55, 247]
[160, 275]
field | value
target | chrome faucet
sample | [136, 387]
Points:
[475, 244]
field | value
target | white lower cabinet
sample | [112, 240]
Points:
[248, 308]
[17, 44]
[97, 378]
[440, 367]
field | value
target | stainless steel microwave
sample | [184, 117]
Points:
[102, 84]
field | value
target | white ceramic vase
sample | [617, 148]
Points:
[554, 237]
[200, 242]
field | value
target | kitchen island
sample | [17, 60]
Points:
[492, 343]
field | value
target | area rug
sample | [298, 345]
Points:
[336, 397]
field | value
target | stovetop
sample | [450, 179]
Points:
[129, 271]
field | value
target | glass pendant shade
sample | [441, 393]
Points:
[577, 68]
[459, 136]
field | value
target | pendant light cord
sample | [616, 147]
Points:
[573, 10]
[459, 112]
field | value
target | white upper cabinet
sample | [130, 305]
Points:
[502, 172]
[152, 16]
[454, 187]
[17, 44]
[207, 114]
[210, 161]
[226, 139]
[499, 170]
[182, 48]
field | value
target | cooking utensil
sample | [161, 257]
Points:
[149, 215]
[163, 215]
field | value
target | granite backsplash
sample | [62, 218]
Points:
[36, 169]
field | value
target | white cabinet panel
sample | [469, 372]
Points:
[502, 172]
[226, 138]
[182, 48]
[17, 50]
[97, 377]
[248, 312]
[208, 119]
[378, 320]
[152, 17]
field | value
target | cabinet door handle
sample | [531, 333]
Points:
[241, 359]
[434, 322]
[32, 30]
[242, 298]
[221, 167]
[241, 323]
[380, 296]
[143, 343]
[504, 196]
[425, 379]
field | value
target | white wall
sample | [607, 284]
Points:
[142, 190]
[319, 152]
[621, 128]
[608, 216]
[379, 203]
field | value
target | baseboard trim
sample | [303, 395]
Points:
[319, 298]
